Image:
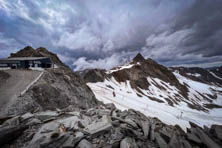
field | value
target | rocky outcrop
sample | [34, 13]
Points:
[28, 51]
[102, 126]
[199, 74]
[39, 52]
[57, 88]
[92, 75]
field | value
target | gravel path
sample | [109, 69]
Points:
[18, 82]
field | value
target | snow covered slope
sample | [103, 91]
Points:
[173, 100]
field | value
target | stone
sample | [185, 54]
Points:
[124, 121]
[160, 141]
[15, 121]
[9, 133]
[110, 106]
[152, 133]
[44, 116]
[54, 142]
[175, 142]
[206, 139]
[34, 121]
[193, 137]
[105, 124]
[26, 116]
[84, 144]
[186, 144]
[128, 143]
[217, 131]
[166, 135]
[145, 127]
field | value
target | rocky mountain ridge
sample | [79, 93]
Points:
[60, 111]
[56, 88]
[158, 91]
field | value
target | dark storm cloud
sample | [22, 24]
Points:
[89, 34]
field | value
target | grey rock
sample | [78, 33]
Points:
[34, 121]
[128, 143]
[145, 127]
[26, 116]
[160, 141]
[186, 144]
[15, 121]
[217, 131]
[175, 142]
[9, 133]
[152, 133]
[84, 144]
[105, 124]
[193, 137]
[206, 139]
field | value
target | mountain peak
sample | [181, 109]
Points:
[28, 51]
[138, 58]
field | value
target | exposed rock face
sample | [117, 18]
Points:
[92, 75]
[101, 126]
[57, 88]
[39, 52]
[200, 74]
[142, 69]
[26, 52]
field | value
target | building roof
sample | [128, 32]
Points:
[23, 58]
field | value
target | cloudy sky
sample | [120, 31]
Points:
[107, 33]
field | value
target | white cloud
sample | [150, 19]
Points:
[106, 63]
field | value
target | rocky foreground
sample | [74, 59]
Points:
[102, 126]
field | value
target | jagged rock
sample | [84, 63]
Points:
[152, 133]
[84, 144]
[124, 121]
[160, 141]
[166, 134]
[145, 127]
[217, 131]
[128, 143]
[175, 142]
[128, 131]
[193, 137]
[186, 144]
[26, 116]
[15, 121]
[54, 142]
[9, 133]
[206, 139]
[46, 115]
[110, 106]
[33, 121]
[101, 126]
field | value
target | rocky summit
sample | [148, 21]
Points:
[139, 105]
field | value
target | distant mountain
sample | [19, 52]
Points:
[174, 95]
[54, 108]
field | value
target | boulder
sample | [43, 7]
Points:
[84, 144]
[128, 143]
[160, 141]
[216, 130]
[105, 124]
[193, 137]
[206, 139]
[10, 133]
[145, 127]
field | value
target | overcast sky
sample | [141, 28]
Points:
[107, 33]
